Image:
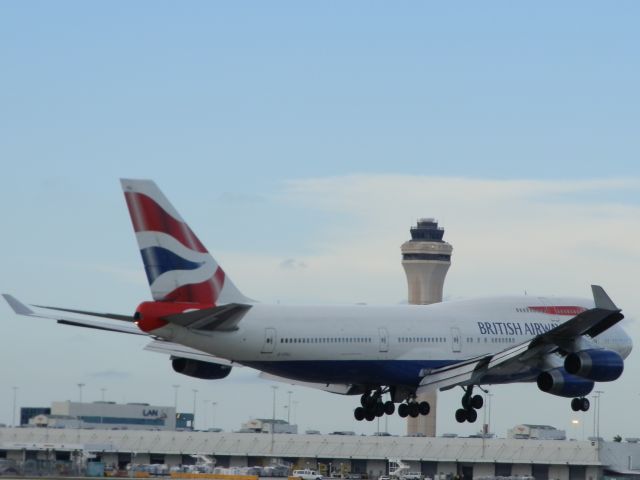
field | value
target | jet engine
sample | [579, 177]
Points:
[600, 365]
[559, 382]
[198, 369]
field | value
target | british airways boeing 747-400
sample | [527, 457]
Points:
[386, 354]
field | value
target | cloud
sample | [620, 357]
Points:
[292, 263]
[545, 237]
[237, 198]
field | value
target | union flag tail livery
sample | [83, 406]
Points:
[179, 268]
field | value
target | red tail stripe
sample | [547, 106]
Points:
[205, 292]
[147, 215]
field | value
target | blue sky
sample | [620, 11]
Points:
[312, 134]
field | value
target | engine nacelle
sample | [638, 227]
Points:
[600, 365]
[198, 369]
[559, 382]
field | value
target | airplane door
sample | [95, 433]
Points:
[269, 340]
[456, 340]
[384, 339]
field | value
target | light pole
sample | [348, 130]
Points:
[295, 411]
[213, 414]
[289, 407]
[175, 397]
[489, 408]
[15, 393]
[596, 416]
[273, 420]
[205, 409]
[102, 390]
[80, 385]
[193, 422]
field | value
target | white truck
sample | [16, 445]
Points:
[307, 474]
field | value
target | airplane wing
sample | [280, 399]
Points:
[512, 360]
[180, 351]
[339, 388]
[21, 309]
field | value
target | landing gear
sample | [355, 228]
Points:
[413, 409]
[580, 404]
[389, 407]
[372, 406]
[470, 403]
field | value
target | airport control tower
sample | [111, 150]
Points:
[426, 259]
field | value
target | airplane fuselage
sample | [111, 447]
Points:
[386, 344]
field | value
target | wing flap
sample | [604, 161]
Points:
[339, 388]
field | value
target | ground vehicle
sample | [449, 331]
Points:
[307, 474]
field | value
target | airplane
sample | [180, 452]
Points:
[207, 326]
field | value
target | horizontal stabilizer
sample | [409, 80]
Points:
[17, 306]
[21, 309]
[111, 316]
[97, 325]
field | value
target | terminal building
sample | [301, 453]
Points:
[436, 458]
[106, 415]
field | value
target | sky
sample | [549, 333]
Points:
[301, 141]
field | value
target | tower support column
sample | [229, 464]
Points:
[426, 259]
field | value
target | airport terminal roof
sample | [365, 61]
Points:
[305, 446]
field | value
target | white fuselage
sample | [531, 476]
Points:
[385, 345]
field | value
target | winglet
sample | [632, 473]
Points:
[601, 298]
[17, 306]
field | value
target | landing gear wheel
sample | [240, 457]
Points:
[413, 410]
[389, 407]
[576, 404]
[403, 410]
[477, 402]
[378, 410]
[584, 404]
[359, 414]
[424, 408]
[364, 400]
[461, 415]
[369, 416]
[472, 415]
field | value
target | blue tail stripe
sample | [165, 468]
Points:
[158, 260]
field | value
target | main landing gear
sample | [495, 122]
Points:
[373, 406]
[414, 409]
[470, 403]
[580, 404]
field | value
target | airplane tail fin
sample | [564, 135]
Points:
[179, 268]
